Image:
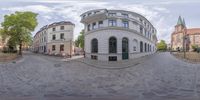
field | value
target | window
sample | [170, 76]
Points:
[125, 15]
[141, 29]
[125, 24]
[112, 22]
[62, 36]
[125, 45]
[141, 21]
[62, 27]
[54, 29]
[100, 24]
[94, 57]
[62, 47]
[96, 12]
[112, 14]
[88, 28]
[150, 48]
[145, 32]
[84, 16]
[141, 46]
[89, 14]
[93, 25]
[145, 47]
[94, 46]
[53, 37]
[112, 58]
[53, 47]
[112, 45]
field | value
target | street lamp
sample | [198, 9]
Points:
[184, 43]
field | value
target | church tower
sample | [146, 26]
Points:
[180, 25]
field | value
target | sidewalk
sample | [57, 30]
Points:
[113, 64]
[72, 58]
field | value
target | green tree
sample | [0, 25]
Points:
[79, 42]
[162, 46]
[18, 27]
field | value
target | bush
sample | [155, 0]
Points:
[8, 50]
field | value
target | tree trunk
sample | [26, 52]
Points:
[20, 48]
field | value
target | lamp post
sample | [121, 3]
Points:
[70, 49]
[184, 43]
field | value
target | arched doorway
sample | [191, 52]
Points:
[125, 51]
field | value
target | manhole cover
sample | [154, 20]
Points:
[57, 65]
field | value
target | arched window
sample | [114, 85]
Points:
[145, 47]
[112, 45]
[94, 46]
[150, 48]
[141, 46]
[125, 45]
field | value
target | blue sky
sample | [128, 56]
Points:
[163, 14]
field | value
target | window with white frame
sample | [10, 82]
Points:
[112, 22]
[112, 14]
[125, 24]
[93, 25]
[100, 24]
[125, 15]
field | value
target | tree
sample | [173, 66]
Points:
[79, 42]
[19, 27]
[162, 46]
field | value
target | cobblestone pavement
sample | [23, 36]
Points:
[157, 77]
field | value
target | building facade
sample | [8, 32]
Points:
[55, 39]
[112, 35]
[192, 36]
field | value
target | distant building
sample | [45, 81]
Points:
[56, 39]
[112, 35]
[168, 46]
[192, 36]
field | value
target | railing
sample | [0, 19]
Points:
[193, 57]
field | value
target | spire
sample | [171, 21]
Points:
[180, 22]
[184, 22]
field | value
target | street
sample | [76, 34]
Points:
[154, 77]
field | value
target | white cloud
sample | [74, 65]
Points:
[71, 11]
[34, 8]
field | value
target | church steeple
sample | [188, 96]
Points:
[180, 24]
[180, 21]
[184, 22]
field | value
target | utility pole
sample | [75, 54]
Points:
[184, 44]
[70, 49]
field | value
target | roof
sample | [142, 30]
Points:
[180, 22]
[137, 14]
[55, 24]
[61, 23]
[193, 31]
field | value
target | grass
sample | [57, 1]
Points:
[190, 56]
[5, 57]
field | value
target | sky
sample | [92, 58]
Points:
[163, 14]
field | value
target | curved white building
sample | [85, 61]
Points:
[112, 35]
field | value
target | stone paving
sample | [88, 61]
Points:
[157, 77]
